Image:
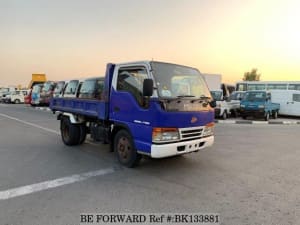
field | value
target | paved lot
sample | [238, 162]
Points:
[250, 175]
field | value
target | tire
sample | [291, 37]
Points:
[70, 133]
[267, 116]
[234, 113]
[125, 149]
[17, 101]
[244, 117]
[83, 132]
[275, 115]
[224, 116]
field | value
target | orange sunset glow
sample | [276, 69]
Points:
[68, 39]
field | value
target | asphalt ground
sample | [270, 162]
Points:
[249, 176]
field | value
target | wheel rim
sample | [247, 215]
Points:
[65, 131]
[124, 149]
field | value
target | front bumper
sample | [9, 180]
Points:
[179, 148]
[254, 113]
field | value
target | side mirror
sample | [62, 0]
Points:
[213, 103]
[148, 87]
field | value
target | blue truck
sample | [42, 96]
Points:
[140, 108]
[258, 104]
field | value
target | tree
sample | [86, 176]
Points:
[252, 76]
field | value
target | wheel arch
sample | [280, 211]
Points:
[116, 128]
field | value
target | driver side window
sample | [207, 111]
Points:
[131, 80]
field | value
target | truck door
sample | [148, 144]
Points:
[127, 101]
[294, 104]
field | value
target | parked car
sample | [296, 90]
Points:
[35, 94]
[3, 93]
[47, 92]
[224, 108]
[6, 97]
[289, 101]
[17, 96]
[235, 99]
[259, 104]
[27, 98]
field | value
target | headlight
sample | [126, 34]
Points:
[261, 106]
[164, 134]
[208, 130]
[242, 106]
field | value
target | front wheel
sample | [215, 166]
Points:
[125, 149]
[17, 101]
[275, 115]
[267, 116]
[224, 116]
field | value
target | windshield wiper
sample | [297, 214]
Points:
[185, 96]
[203, 97]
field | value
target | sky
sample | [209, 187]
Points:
[72, 39]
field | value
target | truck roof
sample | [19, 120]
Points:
[151, 61]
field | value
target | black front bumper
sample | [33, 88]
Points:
[254, 113]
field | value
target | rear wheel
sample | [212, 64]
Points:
[244, 117]
[70, 133]
[267, 116]
[83, 131]
[125, 149]
[17, 101]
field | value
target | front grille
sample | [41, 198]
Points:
[190, 133]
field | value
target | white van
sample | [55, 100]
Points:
[289, 101]
[224, 107]
[17, 96]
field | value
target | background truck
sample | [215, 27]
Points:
[259, 104]
[224, 106]
[37, 78]
[141, 108]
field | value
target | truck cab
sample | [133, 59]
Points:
[259, 104]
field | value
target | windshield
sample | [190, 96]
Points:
[217, 95]
[237, 95]
[36, 88]
[174, 81]
[48, 86]
[59, 87]
[255, 96]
